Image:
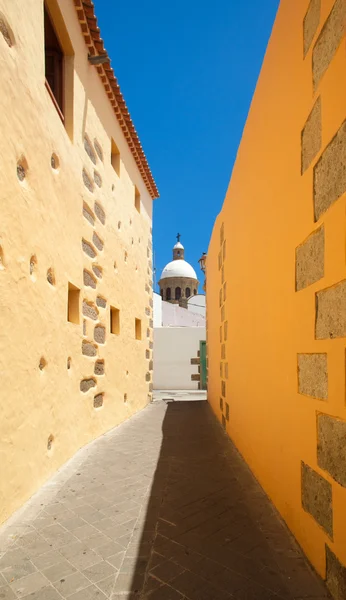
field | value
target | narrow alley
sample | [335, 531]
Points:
[161, 507]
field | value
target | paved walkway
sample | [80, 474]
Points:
[163, 508]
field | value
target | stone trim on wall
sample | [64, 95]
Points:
[317, 498]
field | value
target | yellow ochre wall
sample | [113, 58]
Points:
[44, 416]
[265, 222]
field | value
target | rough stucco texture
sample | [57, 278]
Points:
[330, 174]
[311, 22]
[328, 41]
[317, 498]
[274, 249]
[331, 448]
[312, 136]
[313, 375]
[336, 575]
[310, 260]
[50, 214]
[331, 312]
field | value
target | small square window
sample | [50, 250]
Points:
[138, 329]
[115, 158]
[115, 320]
[73, 304]
[137, 200]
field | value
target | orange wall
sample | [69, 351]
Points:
[42, 217]
[267, 213]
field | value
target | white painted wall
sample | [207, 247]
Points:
[166, 314]
[157, 310]
[174, 315]
[196, 304]
[173, 349]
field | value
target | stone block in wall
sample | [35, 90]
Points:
[310, 260]
[87, 181]
[89, 349]
[313, 375]
[195, 361]
[88, 279]
[97, 178]
[317, 497]
[98, 400]
[101, 302]
[89, 149]
[97, 270]
[100, 213]
[312, 136]
[331, 447]
[311, 23]
[97, 241]
[330, 173]
[88, 249]
[331, 312]
[335, 575]
[227, 411]
[99, 150]
[223, 388]
[195, 377]
[328, 41]
[90, 310]
[100, 334]
[99, 368]
[87, 384]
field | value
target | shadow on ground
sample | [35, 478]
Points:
[161, 507]
[210, 532]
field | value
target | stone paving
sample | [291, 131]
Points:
[162, 508]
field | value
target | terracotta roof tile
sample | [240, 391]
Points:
[91, 32]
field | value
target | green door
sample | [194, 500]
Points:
[203, 363]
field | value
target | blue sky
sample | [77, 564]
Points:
[188, 70]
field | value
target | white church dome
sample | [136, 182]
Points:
[178, 268]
